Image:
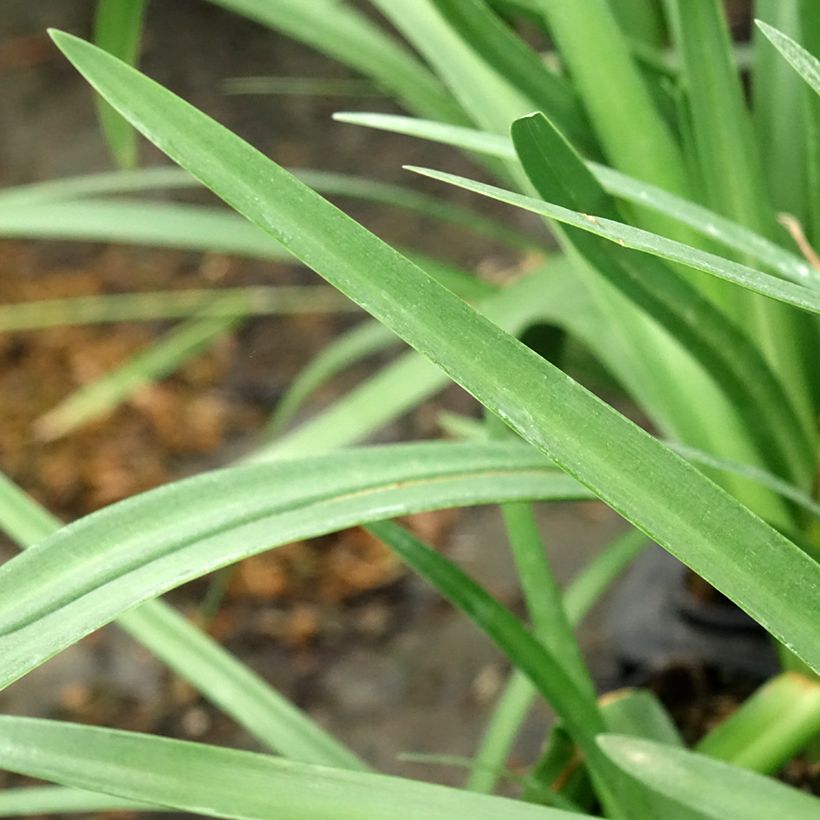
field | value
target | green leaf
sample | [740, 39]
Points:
[190, 227]
[632, 132]
[87, 574]
[117, 29]
[302, 86]
[632, 472]
[710, 787]
[574, 703]
[514, 60]
[770, 727]
[149, 306]
[160, 359]
[629, 237]
[778, 101]
[40, 800]
[209, 780]
[804, 63]
[515, 701]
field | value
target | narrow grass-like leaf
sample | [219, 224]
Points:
[804, 63]
[769, 728]
[576, 705]
[99, 567]
[117, 29]
[513, 59]
[42, 800]
[515, 701]
[635, 137]
[217, 782]
[189, 227]
[636, 475]
[778, 99]
[149, 306]
[302, 86]
[712, 788]
[489, 98]
[347, 35]
[638, 239]
[349, 348]
[159, 177]
[161, 358]
[196, 657]
[707, 223]
[733, 181]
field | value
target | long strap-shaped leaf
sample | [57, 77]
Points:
[99, 567]
[804, 63]
[635, 474]
[636, 238]
[709, 787]
[202, 779]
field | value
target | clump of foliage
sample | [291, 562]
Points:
[662, 182]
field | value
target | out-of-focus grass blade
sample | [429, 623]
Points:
[89, 573]
[150, 306]
[762, 477]
[163, 357]
[769, 728]
[117, 29]
[88, 223]
[778, 100]
[634, 135]
[196, 657]
[804, 63]
[364, 340]
[709, 224]
[209, 780]
[348, 36]
[638, 239]
[710, 787]
[733, 182]
[514, 702]
[513, 59]
[40, 800]
[190, 227]
[641, 20]
[636, 475]
[486, 95]
[138, 179]
[302, 86]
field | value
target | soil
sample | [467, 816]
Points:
[336, 623]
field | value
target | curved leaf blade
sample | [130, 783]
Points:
[219, 782]
[100, 566]
[710, 787]
[636, 238]
[803, 62]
